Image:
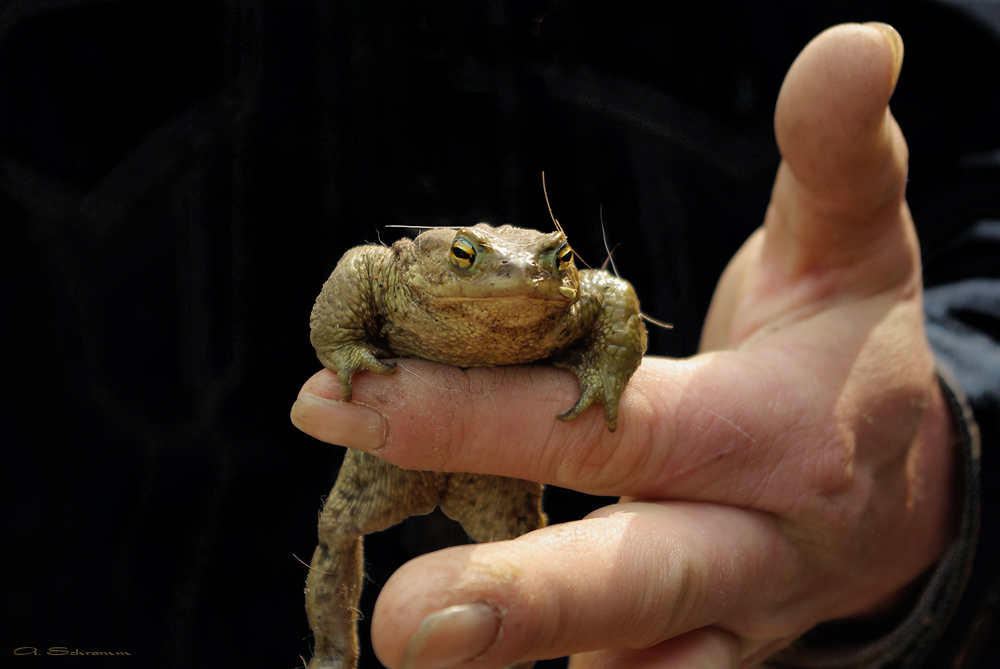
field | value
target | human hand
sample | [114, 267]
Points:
[796, 471]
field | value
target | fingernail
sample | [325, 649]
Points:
[450, 637]
[342, 423]
[896, 42]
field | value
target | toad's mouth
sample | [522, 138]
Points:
[543, 291]
[511, 297]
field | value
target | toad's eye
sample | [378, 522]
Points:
[564, 256]
[463, 253]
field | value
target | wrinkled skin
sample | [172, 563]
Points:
[475, 297]
[798, 470]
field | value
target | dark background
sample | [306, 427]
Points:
[177, 179]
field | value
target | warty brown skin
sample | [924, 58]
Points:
[478, 296]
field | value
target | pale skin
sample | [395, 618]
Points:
[798, 470]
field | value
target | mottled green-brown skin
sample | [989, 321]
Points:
[518, 301]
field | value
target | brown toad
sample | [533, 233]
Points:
[478, 296]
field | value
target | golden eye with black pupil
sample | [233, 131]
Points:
[463, 253]
[564, 256]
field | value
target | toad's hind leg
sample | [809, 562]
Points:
[369, 495]
[494, 508]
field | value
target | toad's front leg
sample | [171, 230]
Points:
[605, 359]
[345, 322]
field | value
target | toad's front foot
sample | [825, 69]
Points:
[347, 359]
[597, 384]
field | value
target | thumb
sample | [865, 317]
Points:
[838, 198]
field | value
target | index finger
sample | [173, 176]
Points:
[487, 420]
[685, 428]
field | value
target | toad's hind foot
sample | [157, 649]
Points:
[331, 663]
